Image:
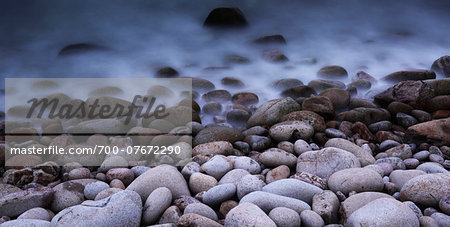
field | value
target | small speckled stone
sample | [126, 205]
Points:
[421, 155]
[283, 216]
[411, 163]
[92, 189]
[281, 172]
[310, 218]
[199, 182]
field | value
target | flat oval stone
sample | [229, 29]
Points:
[267, 201]
[293, 188]
[355, 179]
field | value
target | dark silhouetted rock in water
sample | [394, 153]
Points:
[167, 72]
[442, 66]
[270, 39]
[79, 48]
[226, 17]
[332, 72]
[274, 55]
[409, 75]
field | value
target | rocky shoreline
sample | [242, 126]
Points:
[321, 154]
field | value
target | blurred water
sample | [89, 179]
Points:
[378, 37]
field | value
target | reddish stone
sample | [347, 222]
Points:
[361, 129]
[381, 136]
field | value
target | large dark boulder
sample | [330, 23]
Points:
[226, 17]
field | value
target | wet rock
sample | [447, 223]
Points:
[403, 151]
[272, 111]
[245, 98]
[384, 212]
[321, 105]
[155, 205]
[365, 115]
[326, 204]
[406, 120]
[160, 176]
[212, 108]
[248, 214]
[217, 133]
[380, 126]
[275, 157]
[293, 188]
[361, 75]
[274, 55]
[270, 39]
[309, 117]
[320, 85]
[414, 93]
[267, 201]
[325, 162]
[360, 84]
[356, 102]
[286, 83]
[340, 98]
[433, 131]
[364, 157]
[285, 131]
[225, 17]
[426, 190]
[362, 130]
[335, 133]
[332, 72]
[16, 203]
[122, 208]
[258, 143]
[298, 92]
[167, 72]
[217, 96]
[199, 84]
[80, 48]
[440, 86]
[409, 75]
[238, 116]
[442, 66]
[285, 217]
[232, 81]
